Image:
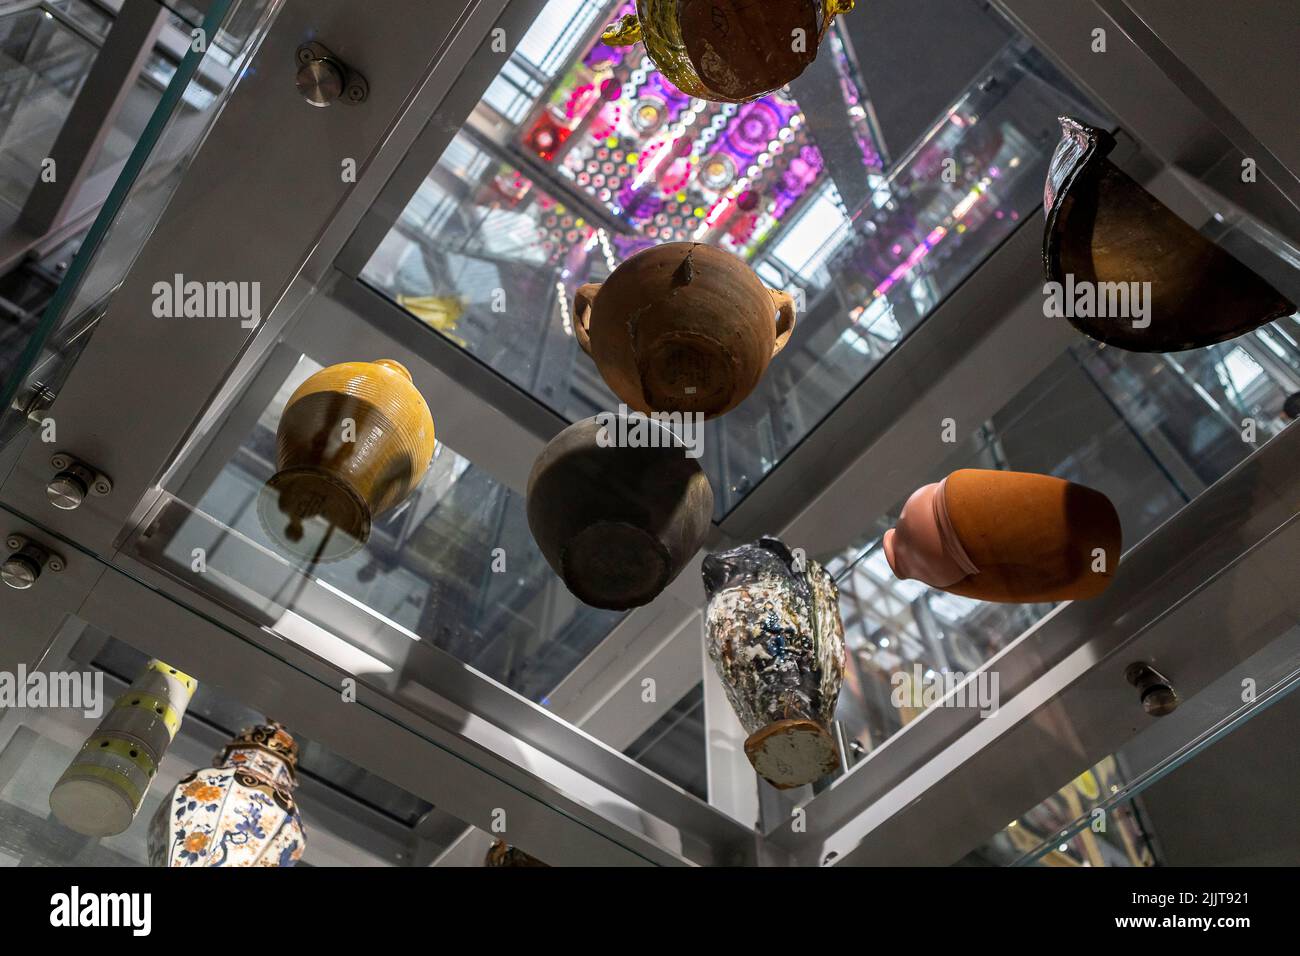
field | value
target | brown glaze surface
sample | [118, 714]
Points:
[682, 327]
[1103, 227]
[345, 474]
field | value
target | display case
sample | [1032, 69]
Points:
[501, 156]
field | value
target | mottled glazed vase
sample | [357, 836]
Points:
[501, 853]
[1007, 536]
[354, 440]
[682, 327]
[728, 51]
[1104, 228]
[238, 812]
[101, 791]
[773, 631]
[617, 523]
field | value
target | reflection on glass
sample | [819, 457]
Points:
[580, 155]
[453, 564]
[1101, 818]
[1149, 431]
[170, 137]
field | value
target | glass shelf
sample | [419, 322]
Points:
[1150, 431]
[580, 155]
[1097, 818]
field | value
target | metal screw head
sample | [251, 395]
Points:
[55, 563]
[66, 491]
[1160, 700]
[13, 542]
[1154, 689]
[19, 572]
[320, 82]
[60, 461]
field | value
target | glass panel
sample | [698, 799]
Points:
[425, 572]
[1150, 431]
[351, 817]
[42, 65]
[580, 155]
[674, 747]
[301, 630]
[1112, 814]
[157, 162]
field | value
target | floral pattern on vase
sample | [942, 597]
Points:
[239, 812]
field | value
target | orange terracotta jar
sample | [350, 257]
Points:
[682, 327]
[1007, 536]
[354, 440]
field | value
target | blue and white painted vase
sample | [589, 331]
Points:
[773, 631]
[239, 812]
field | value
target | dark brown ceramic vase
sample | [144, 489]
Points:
[354, 440]
[617, 523]
[1102, 227]
[729, 51]
[682, 327]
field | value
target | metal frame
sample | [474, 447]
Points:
[457, 738]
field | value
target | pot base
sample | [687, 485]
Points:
[791, 753]
[312, 515]
[688, 372]
[615, 566]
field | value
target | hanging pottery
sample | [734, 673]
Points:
[773, 631]
[728, 51]
[682, 327]
[618, 508]
[1130, 273]
[501, 853]
[1007, 536]
[354, 440]
[101, 791]
[239, 812]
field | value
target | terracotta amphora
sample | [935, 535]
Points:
[1106, 238]
[773, 631]
[1007, 536]
[616, 522]
[682, 327]
[728, 51]
[354, 440]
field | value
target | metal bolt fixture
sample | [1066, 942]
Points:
[324, 79]
[26, 562]
[1157, 694]
[73, 481]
